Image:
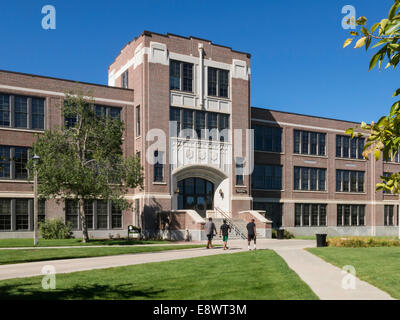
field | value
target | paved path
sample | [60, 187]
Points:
[323, 278]
[107, 246]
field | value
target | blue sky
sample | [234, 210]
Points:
[298, 64]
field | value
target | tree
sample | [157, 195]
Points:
[83, 160]
[384, 135]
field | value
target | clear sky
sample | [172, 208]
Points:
[298, 64]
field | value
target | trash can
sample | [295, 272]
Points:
[321, 239]
[279, 233]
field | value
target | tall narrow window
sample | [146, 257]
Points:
[212, 126]
[22, 214]
[21, 111]
[223, 124]
[175, 75]
[187, 79]
[212, 81]
[200, 124]
[89, 213]
[116, 217]
[158, 166]
[5, 162]
[187, 123]
[4, 110]
[223, 83]
[296, 146]
[102, 214]
[71, 213]
[5, 214]
[138, 121]
[37, 114]
[175, 118]
[304, 142]
[313, 143]
[125, 76]
[21, 160]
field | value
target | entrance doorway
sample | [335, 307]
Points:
[196, 194]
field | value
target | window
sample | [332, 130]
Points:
[200, 125]
[138, 121]
[4, 110]
[21, 214]
[107, 112]
[187, 123]
[387, 174]
[267, 177]
[306, 215]
[21, 112]
[273, 212]
[37, 114]
[158, 166]
[206, 125]
[350, 215]
[305, 142]
[349, 148]
[71, 213]
[124, 79]
[187, 77]
[42, 211]
[13, 157]
[116, 217]
[5, 214]
[102, 214]
[349, 181]
[389, 217]
[5, 162]
[181, 76]
[393, 158]
[268, 138]
[310, 179]
[239, 171]
[218, 82]
[88, 204]
[20, 160]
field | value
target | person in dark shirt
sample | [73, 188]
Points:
[225, 228]
[251, 233]
[209, 229]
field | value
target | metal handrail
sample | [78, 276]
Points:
[231, 223]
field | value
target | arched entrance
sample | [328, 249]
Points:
[196, 194]
[191, 184]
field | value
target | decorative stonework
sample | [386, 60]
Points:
[193, 151]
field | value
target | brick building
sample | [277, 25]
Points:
[185, 103]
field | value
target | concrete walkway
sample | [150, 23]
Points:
[323, 278]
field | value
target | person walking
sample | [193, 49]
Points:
[225, 228]
[251, 233]
[210, 228]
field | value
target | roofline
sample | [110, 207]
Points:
[167, 35]
[62, 79]
[305, 115]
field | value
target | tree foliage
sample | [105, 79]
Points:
[383, 135]
[83, 159]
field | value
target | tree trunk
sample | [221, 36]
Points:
[85, 235]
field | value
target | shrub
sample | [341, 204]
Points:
[55, 229]
[362, 242]
[286, 234]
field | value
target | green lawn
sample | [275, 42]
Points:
[15, 243]
[29, 255]
[252, 275]
[380, 266]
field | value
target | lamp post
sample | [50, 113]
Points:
[36, 160]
